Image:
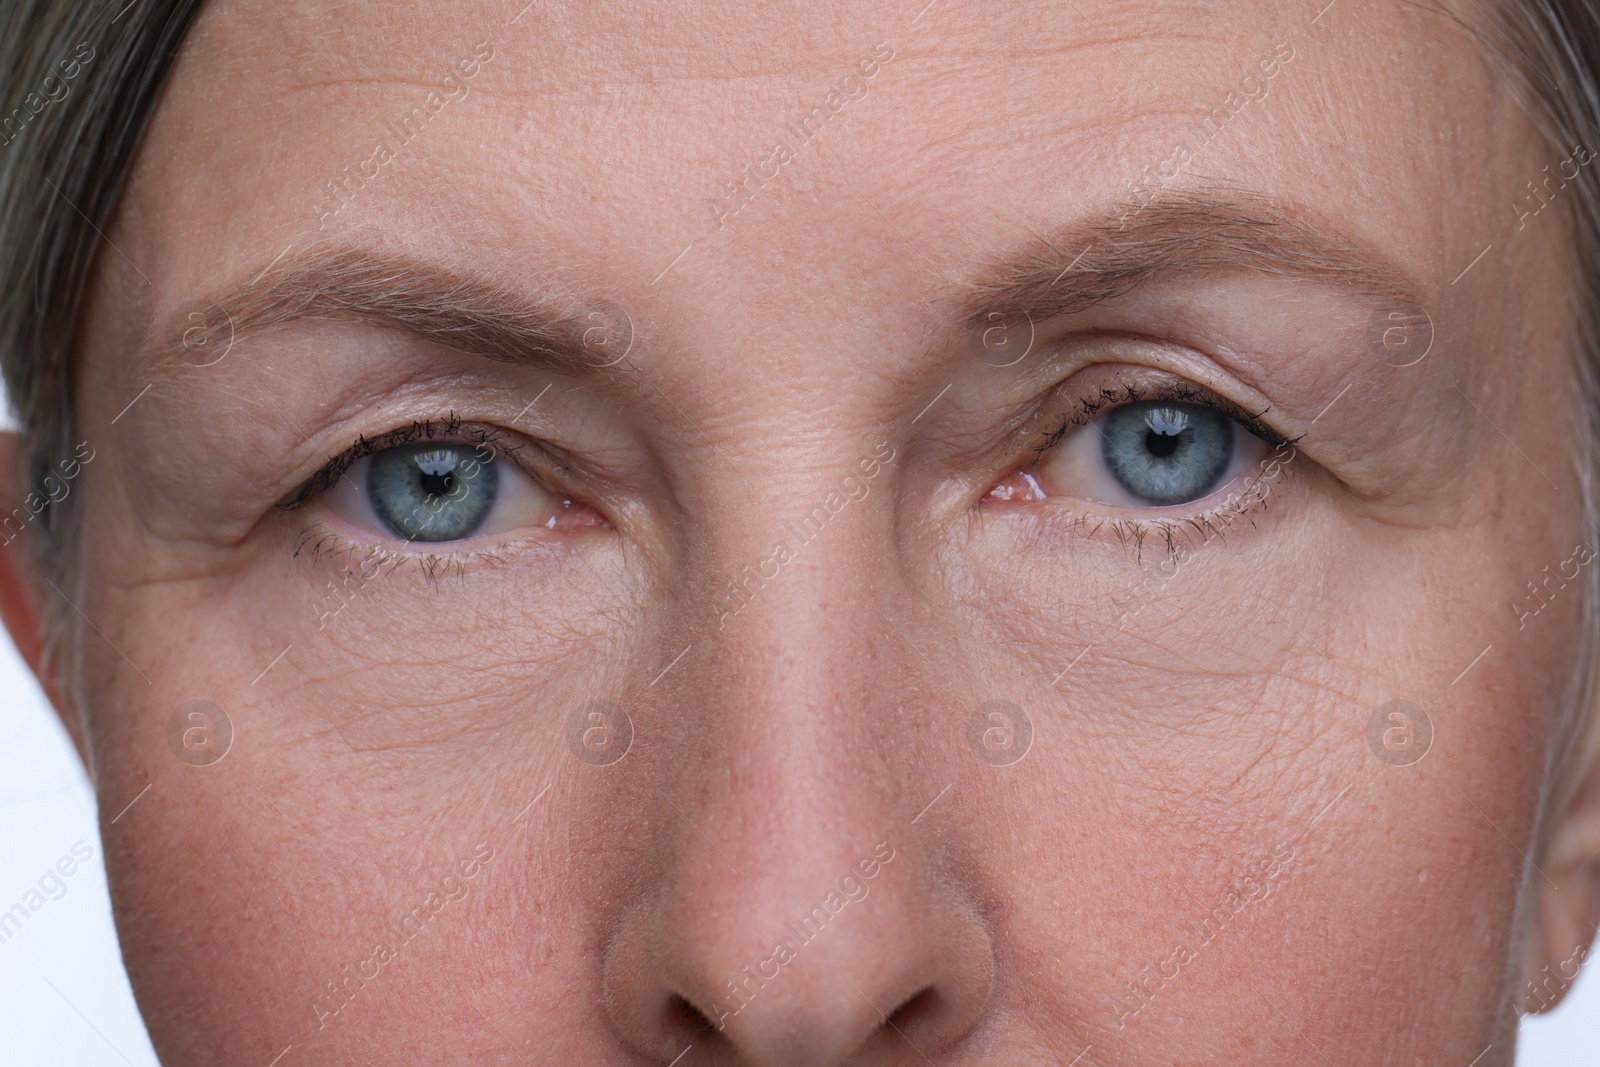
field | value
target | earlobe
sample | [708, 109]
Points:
[19, 587]
[1569, 891]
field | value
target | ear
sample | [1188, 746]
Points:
[19, 582]
[1569, 892]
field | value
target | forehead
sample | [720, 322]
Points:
[786, 152]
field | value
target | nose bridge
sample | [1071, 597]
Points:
[804, 675]
[790, 911]
[832, 529]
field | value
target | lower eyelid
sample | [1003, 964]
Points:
[377, 567]
[1239, 506]
[1238, 503]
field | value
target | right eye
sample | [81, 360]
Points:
[442, 491]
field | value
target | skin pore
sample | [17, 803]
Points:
[1025, 215]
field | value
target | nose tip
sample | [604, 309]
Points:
[872, 970]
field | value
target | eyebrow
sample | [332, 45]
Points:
[435, 303]
[1090, 262]
[1078, 267]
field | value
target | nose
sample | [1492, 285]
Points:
[797, 916]
[779, 979]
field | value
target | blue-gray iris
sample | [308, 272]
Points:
[1164, 452]
[432, 491]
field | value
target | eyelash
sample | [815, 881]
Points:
[1086, 408]
[1179, 534]
[318, 542]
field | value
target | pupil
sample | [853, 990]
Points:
[1161, 444]
[438, 484]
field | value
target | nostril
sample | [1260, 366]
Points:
[685, 1018]
[914, 1010]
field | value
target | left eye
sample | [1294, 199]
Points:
[1158, 453]
[435, 491]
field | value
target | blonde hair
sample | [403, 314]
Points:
[1550, 50]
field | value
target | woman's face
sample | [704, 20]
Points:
[834, 535]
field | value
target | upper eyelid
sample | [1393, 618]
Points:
[1087, 409]
[453, 430]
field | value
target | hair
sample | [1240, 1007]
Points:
[1552, 59]
[62, 167]
[62, 164]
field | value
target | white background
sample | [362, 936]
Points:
[89, 1020]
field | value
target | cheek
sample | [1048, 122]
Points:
[373, 725]
[1197, 709]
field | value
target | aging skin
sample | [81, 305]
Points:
[856, 348]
